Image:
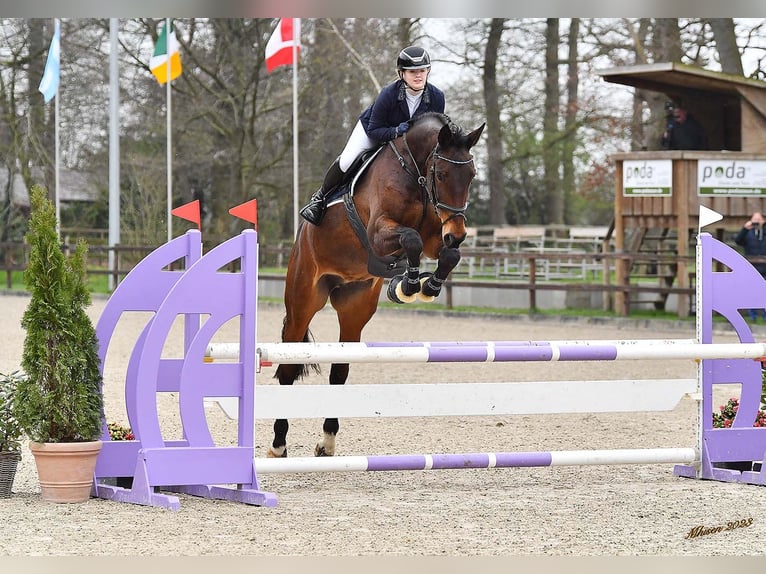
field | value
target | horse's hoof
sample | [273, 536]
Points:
[319, 450]
[421, 294]
[279, 452]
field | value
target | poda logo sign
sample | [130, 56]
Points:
[647, 178]
[729, 172]
[731, 178]
[642, 172]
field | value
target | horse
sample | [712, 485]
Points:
[406, 203]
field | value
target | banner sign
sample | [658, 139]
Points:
[647, 178]
[731, 178]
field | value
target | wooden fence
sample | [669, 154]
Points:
[534, 276]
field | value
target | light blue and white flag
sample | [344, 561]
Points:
[50, 82]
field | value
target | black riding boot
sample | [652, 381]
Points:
[314, 210]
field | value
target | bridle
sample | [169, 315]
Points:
[431, 191]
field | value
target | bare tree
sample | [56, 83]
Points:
[570, 119]
[497, 198]
[726, 44]
[552, 210]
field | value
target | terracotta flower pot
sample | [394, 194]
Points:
[65, 469]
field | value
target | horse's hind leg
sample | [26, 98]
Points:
[355, 304]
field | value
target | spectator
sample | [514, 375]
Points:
[753, 239]
[683, 130]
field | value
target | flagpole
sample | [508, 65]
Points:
[169, 135]
[114, 147]
[296, 39]
[57, 197]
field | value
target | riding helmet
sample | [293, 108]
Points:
[413, 58]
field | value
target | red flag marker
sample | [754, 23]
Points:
[247, 211]
[279, 48]
[189, 212]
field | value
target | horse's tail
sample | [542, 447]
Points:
[309, 338]
[303, 370]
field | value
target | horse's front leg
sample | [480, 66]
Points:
[431, 285]
[404, 288]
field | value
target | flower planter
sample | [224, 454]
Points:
[9, 461]
[65, 469]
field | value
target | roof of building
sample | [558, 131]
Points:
[75, 186]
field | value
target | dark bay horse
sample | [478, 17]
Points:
[411, 203]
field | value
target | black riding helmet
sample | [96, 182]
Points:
[413, 58]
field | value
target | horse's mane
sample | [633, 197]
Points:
[443, 119]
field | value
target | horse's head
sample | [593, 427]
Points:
[450, 170]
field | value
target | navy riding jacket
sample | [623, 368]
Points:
[389, 109]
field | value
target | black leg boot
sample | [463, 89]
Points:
[314, 210]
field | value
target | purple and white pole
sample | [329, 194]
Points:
[474, 460]
[501, 351]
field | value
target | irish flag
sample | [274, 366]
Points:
[279, 48]
[166, 44]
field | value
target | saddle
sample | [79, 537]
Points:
[356, 169]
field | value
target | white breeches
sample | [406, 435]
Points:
[358, 143]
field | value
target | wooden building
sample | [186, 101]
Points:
[732, 110]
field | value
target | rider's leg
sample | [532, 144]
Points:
[314, 210]
[357, 143]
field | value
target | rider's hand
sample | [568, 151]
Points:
[403, 127]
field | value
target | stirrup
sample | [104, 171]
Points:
[313, 212]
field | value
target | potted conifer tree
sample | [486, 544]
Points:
[59, 403]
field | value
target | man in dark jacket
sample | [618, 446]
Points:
[387, 118]
[683, 131]
[753, 238]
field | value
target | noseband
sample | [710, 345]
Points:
[431, 191]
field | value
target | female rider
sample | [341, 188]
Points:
[386, 119]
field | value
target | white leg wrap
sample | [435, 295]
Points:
[326, 446]
[275, 452]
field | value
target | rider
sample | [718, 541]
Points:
[386, 119]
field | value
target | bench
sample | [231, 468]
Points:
[589, 237]
[584, 239]
[476, 241]
[504, 242]
[516, 239]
